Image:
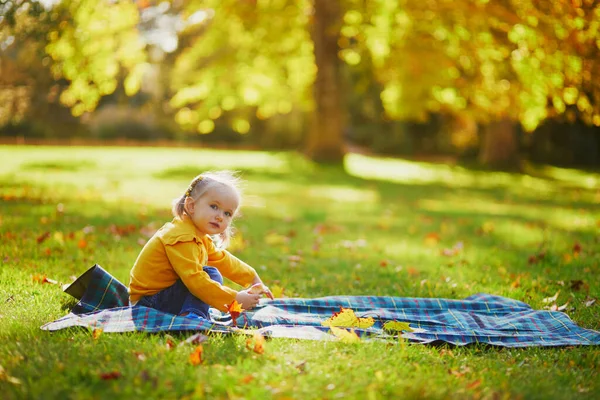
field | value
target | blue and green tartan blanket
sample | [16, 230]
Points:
[481, 318]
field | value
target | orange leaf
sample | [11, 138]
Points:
[82, 244]
[259, 343]
[432, 238]
[234, 309]
[43, 237]
[170, 344]
[41, 278]
[196, 355]
[474, 384]
[247, 379]
[256, 344]
[96, 333]
[106, 376]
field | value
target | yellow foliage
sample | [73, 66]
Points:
[344, 335]
[397, 326]
[347, 318]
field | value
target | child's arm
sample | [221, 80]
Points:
[185, 259]
[235, 269]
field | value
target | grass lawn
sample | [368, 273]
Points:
[381, 229]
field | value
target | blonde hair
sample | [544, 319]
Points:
[199, 186]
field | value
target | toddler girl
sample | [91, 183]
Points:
[180, 270]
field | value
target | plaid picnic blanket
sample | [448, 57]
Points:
[481, 318]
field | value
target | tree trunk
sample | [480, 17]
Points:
[325, 141]
[499, 147]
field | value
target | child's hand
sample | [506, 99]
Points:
[247, 299]
[260, 288]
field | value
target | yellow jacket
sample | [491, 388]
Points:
[179, 251]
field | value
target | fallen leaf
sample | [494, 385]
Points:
[107, 376]
[59, 237]
[196, 355]
[277, 291]
[195, 339]
[82, 244]
[236, 244]
[301, 366]
[170, 344]
[576, 248]
[551, 299]
[234, 309]
[474, 384]
[274, 239]
[412, 271]
[41, 278]
[486, 228]
[96, 333]
[4, 376]
[589, 302]
[532, 260]
[43, 237]
[397, 326]
[432, 239]
[577, 285]
[455, 250]
[344, 335]
[247, 379]
[256, 343]
[347, 318]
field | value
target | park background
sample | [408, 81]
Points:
[488, 82]
[393, 148]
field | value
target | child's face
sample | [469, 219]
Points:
[213, 212]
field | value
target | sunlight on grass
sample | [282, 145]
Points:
[390, 227]
[411, 172]
[566, 175]
[343, 194]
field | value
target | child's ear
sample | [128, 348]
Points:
[189, 205]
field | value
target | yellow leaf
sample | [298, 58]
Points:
[347, 318]
[277, 291]
[397, 326]
[344, 335]
[237, 243]
[274, 239]
[96, 333]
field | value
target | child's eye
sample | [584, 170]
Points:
[227, 213]
[213, 206]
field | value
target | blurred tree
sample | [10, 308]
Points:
[498, 62]
[28, 92]
[94, 42]
[491, 64]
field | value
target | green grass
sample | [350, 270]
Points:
[293, 207]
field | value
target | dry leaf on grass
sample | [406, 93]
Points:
[196, 355]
